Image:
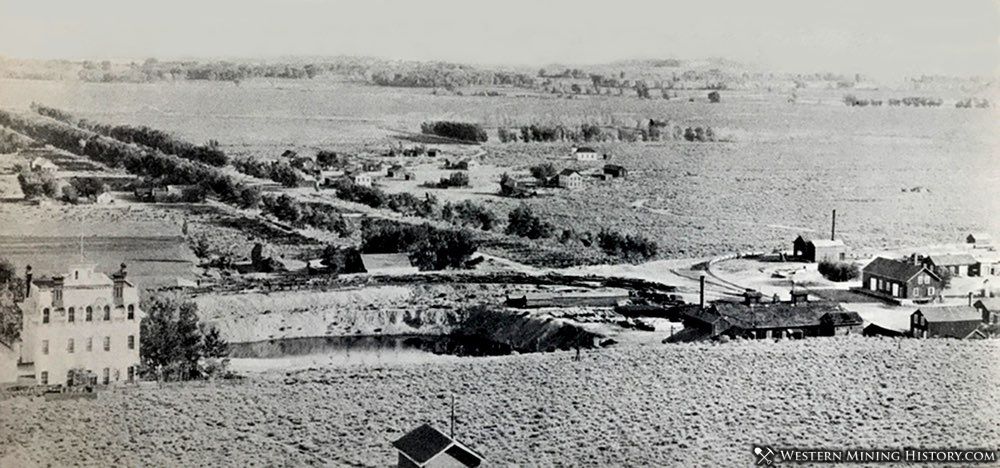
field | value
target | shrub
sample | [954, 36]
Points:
[522, 222]
[714, 97]
[543, 171]
[38, 184]
[629, 247]
[838, 271]
[430, 248]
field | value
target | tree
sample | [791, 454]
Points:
[838, 271]
[522, 222]
[544, 171]
[8, 273]
[714, 97]
[458, 179]
[213, 346]
[172, 343]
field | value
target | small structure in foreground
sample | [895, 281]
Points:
[388, 264]
[989, 307]
[42, 164]
[949, 321]
[429, 447]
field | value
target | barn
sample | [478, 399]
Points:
[950, 321]
[817, 250]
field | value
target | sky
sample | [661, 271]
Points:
[877, 37]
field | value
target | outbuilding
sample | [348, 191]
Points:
[950, 321]
[615, 170]
[570, 179]
[989, 309]
[585, 154]
[817, 250]
[388, 264]
[956, 264]
[979, 239]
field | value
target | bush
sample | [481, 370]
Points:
[838, 271]
[522, 222]
[714, 97]
[544, 171]
[468, 213]
[342, 259]
[38, 184]
[89, 187]
[628, 247]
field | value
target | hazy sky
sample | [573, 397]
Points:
[879, 37]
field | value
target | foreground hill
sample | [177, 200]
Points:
[702, 405]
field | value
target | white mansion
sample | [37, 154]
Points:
[81, 320]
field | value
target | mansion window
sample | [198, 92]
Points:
[107, 375]
[107, 343]
[45, 346]
[131, 342]
[90, 313]
[71, 315]
[131, 312]
[70, 345]
[45, 315]
[45, 378]
[90, 343]
[107, 313]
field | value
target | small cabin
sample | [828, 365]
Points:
[585, 154]
[950, 321]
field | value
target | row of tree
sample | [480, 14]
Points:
[280, 171]
[302, 214]
[653, 131]
[209, 153]
[404, 203]
[429, 248]
[913, 101]
[471, 132]
[446, 75]
[523, 222]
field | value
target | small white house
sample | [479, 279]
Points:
[363, 179]
[104, 198]
[569, 179]
[42, 164]
[585, 154]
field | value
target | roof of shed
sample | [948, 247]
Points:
[950, 313]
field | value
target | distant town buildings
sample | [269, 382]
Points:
[900, 280]
[979, 239]
[429, 447]
[79, 321]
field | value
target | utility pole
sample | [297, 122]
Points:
[833, 226]
[453, 416]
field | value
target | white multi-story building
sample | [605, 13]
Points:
[81, 320]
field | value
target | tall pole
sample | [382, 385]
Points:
[833, 226]
[452, 415]
[701, 292]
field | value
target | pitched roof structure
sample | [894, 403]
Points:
[424, 443]
[568, 172]
[979, 237]
[953, 259]
[785, 314]
[584, 149]
[950, 313]
[991, 304]
[895, 269]
[385, 261]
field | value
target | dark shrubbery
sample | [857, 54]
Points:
[299, 214]
[628, 247]
[457, 130]
[714, 97]
[279, 171]
[404, 203]
[175, 344]
[38, 184]
[342, 259]
[524, 223]
[471, 214]
[430, 248]
[838, 271]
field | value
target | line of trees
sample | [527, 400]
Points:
[446, 75]
[209, 153]
[301, 214]
[912, 101]
[652, 130]
[523, 222]
[464, 131]
[279, 171]
[429, 248]
[404, 203]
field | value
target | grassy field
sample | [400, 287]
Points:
[787, 166]
[691, 405]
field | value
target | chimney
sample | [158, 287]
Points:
[27, 281]
[701, 292]
[799, 296]
[970, 298]
[57, 291]
[833, 226]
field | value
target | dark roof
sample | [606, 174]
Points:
[991, 304]
[585, 149]
[960, 313]
[613, 167]
[895, 269]
[422, 443]
[566, 172]
[841, 318]
[877, 330]
[779, 314]
[425, 443]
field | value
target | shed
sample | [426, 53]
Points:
[395, 171]
[426, 446]
[956, 264]
[817, 250]
[979, 238]
[989, 309]
[388, 264]
[949, 321]
[615, 170]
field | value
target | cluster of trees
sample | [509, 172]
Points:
[38, 184]
[87, 188]
[430, 248]
[838, 271]
[523, 222]
[279, 171]
[467, 213]
[455, 179]
[446, 75]
[177, 345]
[405, 203]
[11, 142]
[342, 259]
[629, 247]
[652, 131]
[464, 131]
[300, 214]
[209, 153]
[967, 103]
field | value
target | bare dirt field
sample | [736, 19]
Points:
[702, 405]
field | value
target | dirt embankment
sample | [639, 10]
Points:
[683, 405]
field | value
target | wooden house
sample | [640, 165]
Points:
[585, 154]
[395, 172]
[900, 280]
[989, 309]
[755, 319]
[363, 179]
[615, 170]
[428, 447]
[949, 321]
[817, 250]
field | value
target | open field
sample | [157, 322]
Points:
[693, 198]
[687, 405]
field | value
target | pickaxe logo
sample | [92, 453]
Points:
[765, 456]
